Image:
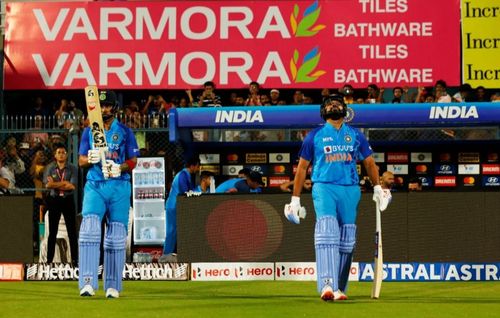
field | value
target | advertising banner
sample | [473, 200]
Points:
[279, 44]
[481, 43]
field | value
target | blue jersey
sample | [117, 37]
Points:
[240, 184]
[180, 185]
[121, 146]
[334, 153]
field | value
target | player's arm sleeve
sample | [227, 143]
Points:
[364, 149]
[184, 183]
[132, 147]
[307, 149]
[84, 148]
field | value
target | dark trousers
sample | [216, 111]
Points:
[66, 207]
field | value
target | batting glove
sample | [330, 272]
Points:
[94, 156]
[294, 212]
[382, 196]
[114, 169]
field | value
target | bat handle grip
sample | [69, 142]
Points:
[102, 151]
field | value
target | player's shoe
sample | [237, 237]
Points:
[87, 291]
[327, 293]
[112, 293]
[339, 295]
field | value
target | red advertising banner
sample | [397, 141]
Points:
[280, 44]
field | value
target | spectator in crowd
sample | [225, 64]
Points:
[415, 184]
[251, 184]
[232, 98]
[308, 100]
[61, 178]
[348, 91]
[206, 178]
[374, 94]
[265, 100]
[37, 136]
[253, 95]
[495, 98]
[298, 98]
[464, 94]
[397, 95]
[481, 94]
[239, 101]
[208, 97]
[274, 97]
[182, 183]
[155, 105]
[441, 95]
[424, 95]
[288, 186]
[7, 180]
[13, 161]
[38, 108]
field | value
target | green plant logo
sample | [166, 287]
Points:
[305, 26]
[306, 73]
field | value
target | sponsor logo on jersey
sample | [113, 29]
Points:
[347, 138]
[327, 149]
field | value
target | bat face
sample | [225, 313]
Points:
[95, 117]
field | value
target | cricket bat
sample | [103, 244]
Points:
[378, 271]
[95, 119]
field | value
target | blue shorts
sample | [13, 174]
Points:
[112, 196]
[338, 201]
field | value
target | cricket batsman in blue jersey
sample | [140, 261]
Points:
[181, 184]
[333, 151]
[107, 191]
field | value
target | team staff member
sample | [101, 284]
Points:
[182, 183]
[61, 178]
[107, 191]
[333, 150]
[250, 184]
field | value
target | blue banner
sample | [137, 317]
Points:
[359, 115]
[398, 272]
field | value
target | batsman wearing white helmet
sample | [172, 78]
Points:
[333, 151]
[107, 192]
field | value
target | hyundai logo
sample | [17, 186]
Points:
[445, 168]
[492, 179]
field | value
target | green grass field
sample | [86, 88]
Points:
[250, 299]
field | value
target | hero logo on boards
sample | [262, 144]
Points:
[232, 271]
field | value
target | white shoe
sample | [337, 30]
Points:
[339, 295]
[87, 290]
[112, 293]
[327, 293]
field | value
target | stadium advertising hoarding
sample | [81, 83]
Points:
[481, 43]
[285, 44]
